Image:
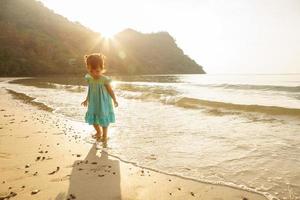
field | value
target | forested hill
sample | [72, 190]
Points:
[36, 41]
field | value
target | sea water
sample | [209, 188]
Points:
[237, 130]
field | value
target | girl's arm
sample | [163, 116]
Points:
[111, 93]
[85, 102]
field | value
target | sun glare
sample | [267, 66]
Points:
[107, 34]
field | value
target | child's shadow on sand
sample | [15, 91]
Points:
[94, 178]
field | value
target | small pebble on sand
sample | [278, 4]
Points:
[35, 192]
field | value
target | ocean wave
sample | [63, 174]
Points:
[160, 86]
[153, 90]
[70, 88]
[278, 88]
[292, 89]
[30, 100]
[193, 103]
[170, 95]
[49, 85]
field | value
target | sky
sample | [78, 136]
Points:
[224, 36]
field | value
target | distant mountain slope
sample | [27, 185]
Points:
[36, 41]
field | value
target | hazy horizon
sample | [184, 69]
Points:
[257, 37]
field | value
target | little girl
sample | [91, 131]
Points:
[100, 111]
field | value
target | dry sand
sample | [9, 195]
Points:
[42, 156]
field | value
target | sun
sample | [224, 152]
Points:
[109, 34]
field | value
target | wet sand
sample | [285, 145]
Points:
[42, 156]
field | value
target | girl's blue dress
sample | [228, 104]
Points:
[100, 107]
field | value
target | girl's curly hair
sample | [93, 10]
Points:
[94, 60]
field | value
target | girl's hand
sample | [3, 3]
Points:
[84, 103]
[116, 103]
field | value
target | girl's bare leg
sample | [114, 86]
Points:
[98, 129]
[104, 136]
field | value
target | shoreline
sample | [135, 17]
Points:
[106, 176]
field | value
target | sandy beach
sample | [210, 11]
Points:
[42, 156]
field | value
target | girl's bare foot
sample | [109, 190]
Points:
[104, 139]
[96, 136]
[98, 139]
